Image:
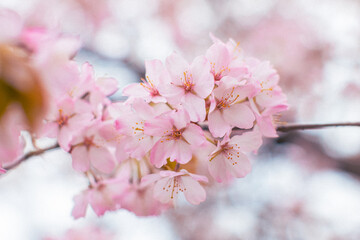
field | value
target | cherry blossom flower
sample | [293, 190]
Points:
[148, 89]
[230, 108]
[265, 119]
[228, 160]
[267, 79]
[65, 120]
[224, 62]
[136, 142]
[100, 196]
[88, 149]
[178, 137]
[139, 200]
[188, 85]
[11, 141]
[168, 184]
[85, 233]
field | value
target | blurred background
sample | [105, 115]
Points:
[304, 185]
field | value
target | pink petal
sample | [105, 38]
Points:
[65, 136]
[157, 127]
[162, 191]
[99, 202]
[217, 169]
[194, 135]
[182, 152]
[239, 115]
[161, 151]
[135, 90]
[49, 129]
[218, 55]
[271, 98]
[247, 142]
[217, 125]
[203, 79]
[108, 86]
[154, 69]
[176, 65]
[102, 159]
[149, 179]
[120, 153]
[193, 191]
[80, 159]
[80, 121]
[242, 166]
[81, 202]
[67, 106]
[180, 118]
[172, 92]
[266, 126]
[195, 106]
[142, 109]
[139, 145]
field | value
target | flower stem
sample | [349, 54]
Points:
[32, 154]
[294, 127]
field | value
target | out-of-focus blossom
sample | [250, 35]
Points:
[89, 149]
[169, 184]
[85, 233]
[101, 196]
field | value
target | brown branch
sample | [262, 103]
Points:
[295, 127]
[31, 154]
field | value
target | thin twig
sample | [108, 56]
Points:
[32, 154]
[294, 127]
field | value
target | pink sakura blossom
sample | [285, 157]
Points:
[100, 196]
[168, 184]
[265, 118]
[89, 148]
[224, 61]
[177, 135]
[230, 107]
[11, 142]
[228, 159]
[66, 120]
[266, 77]
[148, 89]
[139, 200]
[188, 85]
[88, 84]
[85, 233]
[131, 123]
[52, 54]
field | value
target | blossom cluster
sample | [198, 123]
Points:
[183, 127]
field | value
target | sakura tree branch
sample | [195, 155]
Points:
[294, 127]
[32, 154]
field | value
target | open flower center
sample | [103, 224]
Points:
[176, 134]
[227, 100]
[187, 81]
[218, 75]
[88, 142]
[149, 86]
[174, 186]
[63, 118]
